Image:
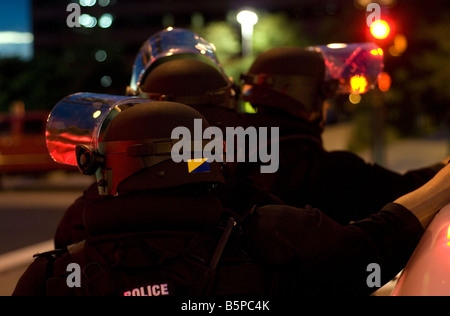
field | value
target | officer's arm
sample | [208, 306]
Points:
[426, 201]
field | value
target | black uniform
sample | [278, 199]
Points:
[339, 183]
[163, 243]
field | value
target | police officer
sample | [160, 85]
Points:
[288, 89]
[141, 189]
[176, 65]
[160, 230]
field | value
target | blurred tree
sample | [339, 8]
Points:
[434, 65]
[39, 83]
[224, 37]
[272, 30]
[43, 81]
[420, 98]
[227, 42]
[9, 68]
[278, 29]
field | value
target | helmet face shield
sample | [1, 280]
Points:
[80, 119]
[356, 66]
[118, 138]
[173, 43]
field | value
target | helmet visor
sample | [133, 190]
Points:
[80, 119]
[355, 66]
[171, 42]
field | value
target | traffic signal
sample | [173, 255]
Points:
[384, 33]
[380, 29]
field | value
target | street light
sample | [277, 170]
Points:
[247, 19]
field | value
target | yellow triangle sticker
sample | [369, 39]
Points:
[198, 165]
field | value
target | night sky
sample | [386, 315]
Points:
[15, 15]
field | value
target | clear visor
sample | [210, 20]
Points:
[80, 119]
[171, 42]
[356, 66]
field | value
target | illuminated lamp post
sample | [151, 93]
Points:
[247, 19]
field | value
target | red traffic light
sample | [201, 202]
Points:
[380, 29]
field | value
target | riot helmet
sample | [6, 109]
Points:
[189, 81]
[356, 66]
[169, 45]
[289, 79]
[129, 148]
[299, 80]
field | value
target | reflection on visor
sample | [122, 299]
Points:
[80, 119]
[356, 66]
[167, 43]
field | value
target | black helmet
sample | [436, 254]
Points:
[137, 147]
[298, 80]
[168, 45]
[190, 82]
[133, 144]
[289, 79]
